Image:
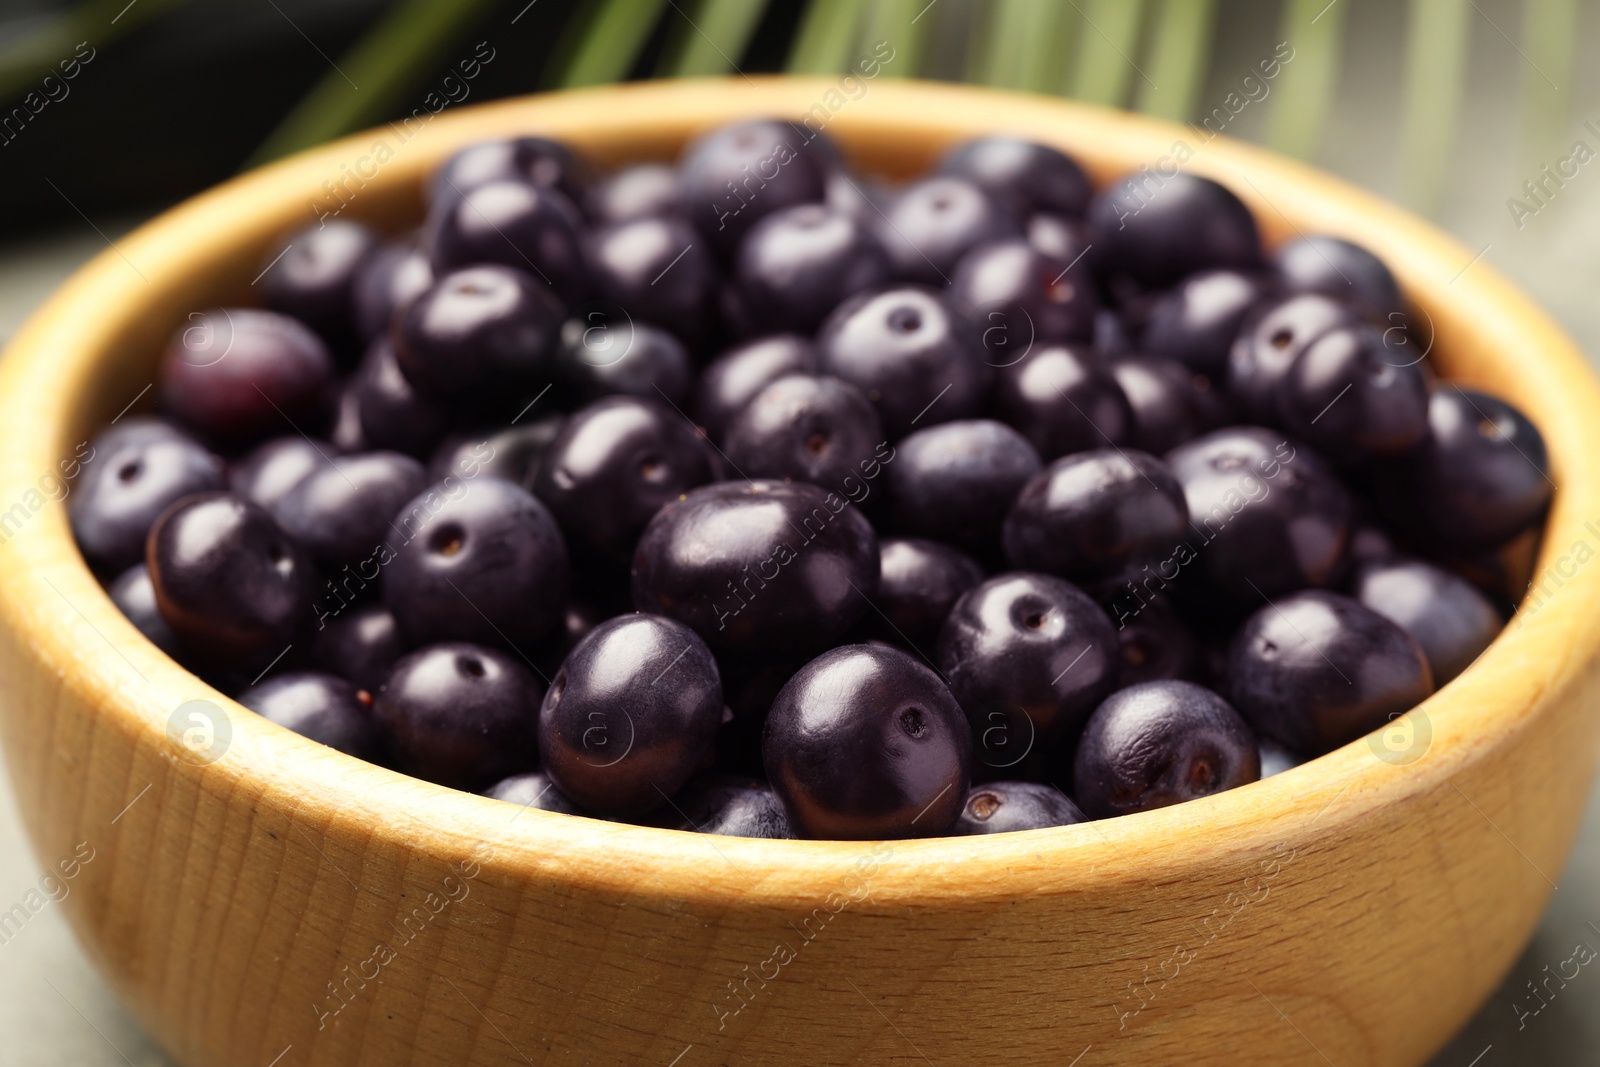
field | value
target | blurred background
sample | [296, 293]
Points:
[1475, 113]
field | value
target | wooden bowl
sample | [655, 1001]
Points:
[252, 895]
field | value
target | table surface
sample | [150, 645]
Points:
[54, 1010]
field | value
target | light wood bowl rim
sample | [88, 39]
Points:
[49, 597]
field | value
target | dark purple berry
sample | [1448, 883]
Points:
[730, 805]
[1196, 321]
[393, 415]
[1091, 514]
[1004, 807]
[656, 270]
[511, 452]
[460, 715]
[515, 224]
[1353, 397]
[1019, 298]
[1157, 228]
[956, 481]
[131, 474]
[360, 645]
[1267, 515]
[605, 358]
[818, 430]
[314, 279]
[341, 511]
[479, 561]
[1339, 269]
[1480, 476]
[1161, 743]
[867, 743]
[632, 713]
[1155, 644]
[758, 566]
[1171, 404]
[932, 223]
[545, 163]
[477, 330]
[796, 265]
[1063, 400]
[1271, 339]
[612, 466]
[533, 790]
[322, 707]
[641, 191]
[237, 375]
[230, 582]
[267, 473]
[135, 596]
[1031, 177]
[734, 176]
[917, 358]
[1317, 670]
[918, 583]
[1449, 619]
[389, 279]
[1028, 656]
[734, 378]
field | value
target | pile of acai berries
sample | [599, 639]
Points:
[752, 496]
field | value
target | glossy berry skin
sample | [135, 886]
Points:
[267, 472]
[736, 175]
[533, 790]
[135, 596]
[1267, 514]
[796, 265]
[345, 433]
[1061, 238]
[516, 224]
[628, 358]
[1028, 656]
[1161, 743]
[460, 715]
[510, 452]
[1197, 321]
[480, 561]
[758, 566]
[733, 379]
[1155, 643]
[314, 279]
[341, 511]
[1063, 400]
[361, 644]
[904, 347]
[1271, 339]
[133, 472]
[1276, 759]
[808, 429]
[545, 163]
[228, 580]
[643, 190]
[1170, 403]
[1090, 514]
[730, 805]
[1353, 397]
[1447, 617]
[934, 222]
[612, 466]
[325, 708]
[1317, 670]
[918, 583]
[236, 375]
[1005, 807]
[867, 743]
[476, 330]
[393, 414]
[1340, 269]
[389, 279]
[1480, 476]
[656, 269]
[955, 481]
[1019, 298]
[632, 713]
[1157, 229]
[1029, 176]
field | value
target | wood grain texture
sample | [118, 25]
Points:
[1375, 905]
